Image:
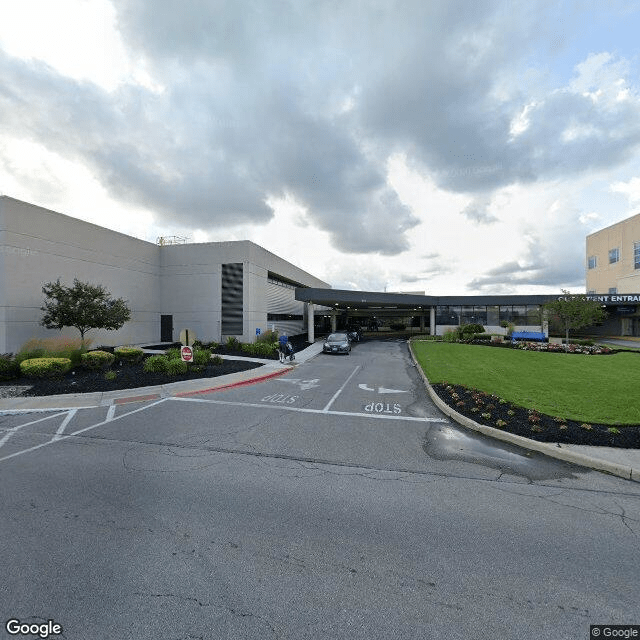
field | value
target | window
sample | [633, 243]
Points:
[636, 255]
[614, 255]
[593, 261]
[613, 291]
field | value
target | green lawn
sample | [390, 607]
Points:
[601, 389]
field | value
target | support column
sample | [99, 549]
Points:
[422, 323]
[333, 323]
[432, 320]
[311, 336]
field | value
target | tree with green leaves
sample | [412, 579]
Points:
[83, 306]
[574, 311]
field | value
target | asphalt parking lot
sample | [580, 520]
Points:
[332, 501]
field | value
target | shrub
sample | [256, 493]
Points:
[131, 355]
[260, 349]
[97, 360]
[9, 368]
[482, 337]
[451, 335]
[110, 375]
[268, 336]
[156, 364]
[201, 357]
[177, 367]
[467, 330]
[173, 354]
[233, 344]
[216, 360]
[45, 367]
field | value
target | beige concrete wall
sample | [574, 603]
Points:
[621, 275]
[191, 285]
[39, 246]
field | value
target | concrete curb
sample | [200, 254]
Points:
[184, 388]
[550, 449]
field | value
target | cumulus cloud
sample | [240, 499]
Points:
[247, 103]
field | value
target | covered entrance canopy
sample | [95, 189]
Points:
[432, 311]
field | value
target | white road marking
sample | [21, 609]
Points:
[303, 384]
[11, 431]
[111, 412]
[365, 387]
[303, 410]
[64, 424]
[75, 433]
[339, 391]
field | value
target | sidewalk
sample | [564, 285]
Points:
[270, 369]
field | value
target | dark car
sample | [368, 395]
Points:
[337, 343]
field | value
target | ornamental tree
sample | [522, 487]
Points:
[83, 306]
[574, 311]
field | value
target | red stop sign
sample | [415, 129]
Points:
[186, 353]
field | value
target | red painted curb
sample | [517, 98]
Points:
[243, 383]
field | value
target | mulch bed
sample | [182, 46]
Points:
[531, 424]
[80, 380]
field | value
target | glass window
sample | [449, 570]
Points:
[519, 314]
[467, 315]
[636, 255]
[613, 291]
[505, 313]
[447, 315]
[593, 261]
[614, 255]
[533, 314]
[480, 314]
[493, 316]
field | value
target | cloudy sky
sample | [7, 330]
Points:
[451, 147]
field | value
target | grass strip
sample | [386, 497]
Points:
[594, 389]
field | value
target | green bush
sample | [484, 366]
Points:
[110, 375]
[177, 367]
[172, 354]
[268, 336]
[485, 337]
[29, 354]
[260, 349]
[201, 357]
[233, 343]
[9, 368]
[451, 335]
[468, 330]
[156, 364]
[97, 359]
[45, 367]
[131, 355]
[216, 360]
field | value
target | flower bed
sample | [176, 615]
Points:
[492, 411]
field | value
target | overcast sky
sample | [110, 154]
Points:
[451, 147]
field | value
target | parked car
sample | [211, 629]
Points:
[337, 343]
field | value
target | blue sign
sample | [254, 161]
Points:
[257, 331]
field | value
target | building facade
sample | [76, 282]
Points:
[613, 258]
[613, 274]
[216, 289]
